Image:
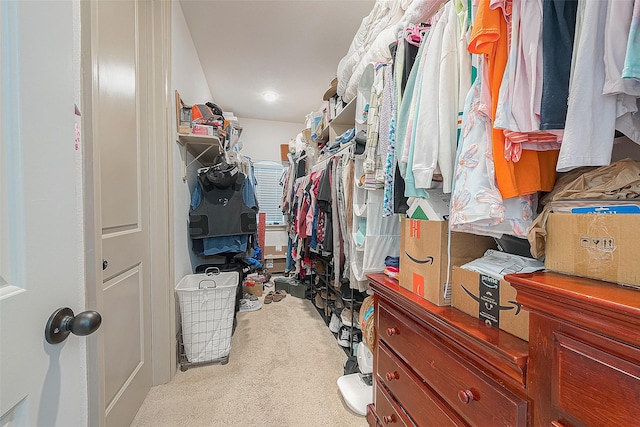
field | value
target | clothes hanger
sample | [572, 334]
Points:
[415, 34]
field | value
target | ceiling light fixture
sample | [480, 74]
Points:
[270, 96]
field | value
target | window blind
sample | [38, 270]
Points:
[269, 192]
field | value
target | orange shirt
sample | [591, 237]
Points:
[536, 170]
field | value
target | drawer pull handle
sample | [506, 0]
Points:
[388, 419]
[393, 331]
[393, 376]
[466, 396]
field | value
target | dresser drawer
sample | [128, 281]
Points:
[372, 416]
[476, 398]
[387, 410]
[591, 384]
[422, 406]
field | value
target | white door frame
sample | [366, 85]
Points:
[161, 207]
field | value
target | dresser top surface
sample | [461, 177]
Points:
[558, 286]
[457, 325]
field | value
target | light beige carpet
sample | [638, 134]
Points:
[282, 371]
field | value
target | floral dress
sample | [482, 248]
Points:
[476, 203]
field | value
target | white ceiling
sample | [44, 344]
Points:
[290, 47]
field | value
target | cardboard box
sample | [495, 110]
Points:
[269, 251]
[255, 289]
[275, 258]
[599, 246]
[275, 265]
[491, 300]
[423, 257]
[436, 207]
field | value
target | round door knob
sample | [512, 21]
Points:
[466, 396]
[62, 323]
[388, 419]
[393, 376]
[392, 331]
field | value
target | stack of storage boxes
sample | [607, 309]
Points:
[430, 256]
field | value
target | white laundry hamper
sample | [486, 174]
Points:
[207, 308]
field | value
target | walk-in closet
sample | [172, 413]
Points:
[320, 213]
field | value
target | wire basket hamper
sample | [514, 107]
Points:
[207, 306]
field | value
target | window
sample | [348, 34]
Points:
[269, 191]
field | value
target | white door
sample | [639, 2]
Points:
[118, 123]
[67, 204]
[41, 236]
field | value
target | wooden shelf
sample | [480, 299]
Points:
[203, 148]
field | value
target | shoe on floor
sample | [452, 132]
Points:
[346, 338]
[346, 292]
[343, 337]
[346, 317]
[250, 297]
[268, 298]
[335, 324]
[319, 302]
[279, 295]
[249, 305]
[356, 338]
[332, 296]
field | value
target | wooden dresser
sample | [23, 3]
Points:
[436, 366]
[584, 350]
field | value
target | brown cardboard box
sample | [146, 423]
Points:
[275, 258]
[254, 289]
[275, 264]
[423, 257]
[600, 246]
[491, 300]
[275, 250]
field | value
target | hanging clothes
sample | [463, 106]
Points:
[518, 109]
[221, 210]
[406, 111]
[558, 30]
[627, 91]
[476, 203]
[372, 154]
[535, 171]
[388, 110]
[338, 241]
[632, 59]
[436, 137]
[409, 110]
[590, 125]
[224, 244]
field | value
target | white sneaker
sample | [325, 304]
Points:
[343, 337]
[248, 305]
[335, 324]
[249, 296]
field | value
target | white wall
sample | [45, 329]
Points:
[261, 139]
[188, 79]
